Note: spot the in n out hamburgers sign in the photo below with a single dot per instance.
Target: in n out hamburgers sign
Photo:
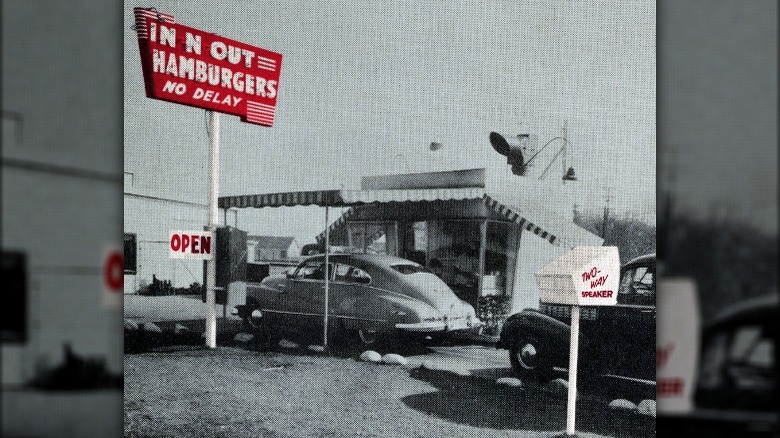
(185, 65)
(189, 66)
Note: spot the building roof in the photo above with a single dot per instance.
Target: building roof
(540, 208)
(272, 242)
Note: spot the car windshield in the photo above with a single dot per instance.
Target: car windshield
(407, 269)
(737, 368)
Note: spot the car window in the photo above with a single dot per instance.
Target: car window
(637, 286)
(351, 274)
(737, 368)
(409, 268)
(311, 271)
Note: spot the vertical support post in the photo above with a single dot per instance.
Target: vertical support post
(327, 280)
(565, 147)
(571, 399)
(481, 269)
(213, 221)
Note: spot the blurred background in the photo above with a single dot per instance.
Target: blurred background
(61, 351)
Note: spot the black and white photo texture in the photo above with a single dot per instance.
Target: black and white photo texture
(359, 258)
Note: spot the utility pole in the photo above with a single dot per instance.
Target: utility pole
(565, 146)
(605, 220)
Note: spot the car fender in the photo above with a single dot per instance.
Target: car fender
(546, 329)
(263, 293)
(383, 311)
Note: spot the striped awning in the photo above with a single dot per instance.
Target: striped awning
(499, 208)
(346, 198)
(521, 220)
(322, 198)
(559, 231)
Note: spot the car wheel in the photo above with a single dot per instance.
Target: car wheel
(529, 361)
(367, 336)
(255, 324)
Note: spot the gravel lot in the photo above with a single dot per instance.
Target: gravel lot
(233, 392)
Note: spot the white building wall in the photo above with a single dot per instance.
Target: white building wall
(151, 220)
(532, 254)
(61, 195)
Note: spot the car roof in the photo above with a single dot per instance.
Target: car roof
(758, 309)
(371, 259)
(643, 260)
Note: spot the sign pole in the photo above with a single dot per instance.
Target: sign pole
(213, 221)
(571, 399)
(327, 280)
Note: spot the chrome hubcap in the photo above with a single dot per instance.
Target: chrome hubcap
(255, 318)
(367, 336)
(527, 356)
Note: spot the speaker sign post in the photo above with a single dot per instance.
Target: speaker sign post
(192, 67)
(584, 276)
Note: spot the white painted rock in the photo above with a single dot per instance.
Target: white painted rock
(284, 343)
(509, 381)
(178, 329)
(151, 327)
(243, 337)
(394, 359)
(647, 407)
(428, 365)
(559, 385)
(371, 356)
(621, 404)
(130, 325)
(316, 348)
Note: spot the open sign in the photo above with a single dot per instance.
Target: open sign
(193, 245)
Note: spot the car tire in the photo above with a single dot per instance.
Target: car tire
(529, 360)
(366, 337)
(255, 324)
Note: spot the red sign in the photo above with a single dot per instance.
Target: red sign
(189, 66)
(113, 271)
(191, 245)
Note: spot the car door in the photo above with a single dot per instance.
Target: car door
(305, 298)
(352, 298)
(623, 336)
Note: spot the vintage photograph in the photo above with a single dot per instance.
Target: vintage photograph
(399, 219)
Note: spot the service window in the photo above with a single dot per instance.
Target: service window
(131, 249)
(13, 311)
(637, 287)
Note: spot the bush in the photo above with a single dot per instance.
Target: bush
(493, 311)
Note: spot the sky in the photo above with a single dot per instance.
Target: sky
(365, 90)
(718, 110)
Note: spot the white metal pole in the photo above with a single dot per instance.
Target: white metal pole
(327, 280)
(571, 399)
(211, 265)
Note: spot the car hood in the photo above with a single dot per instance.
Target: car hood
(435, 292)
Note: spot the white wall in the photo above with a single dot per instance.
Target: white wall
(151, 220)
(532, 254)
(62, 182)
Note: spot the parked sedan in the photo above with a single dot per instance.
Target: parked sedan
(369, 297)
(617, 339)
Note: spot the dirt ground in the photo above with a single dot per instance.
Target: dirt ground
(233, 392)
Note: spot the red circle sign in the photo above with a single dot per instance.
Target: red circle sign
(114, 271)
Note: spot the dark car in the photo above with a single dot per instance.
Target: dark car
(370, 297)
(736, 392)
(617, 340)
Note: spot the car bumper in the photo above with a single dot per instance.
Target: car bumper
(452, 324)
(422, 327)
(462, 323)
